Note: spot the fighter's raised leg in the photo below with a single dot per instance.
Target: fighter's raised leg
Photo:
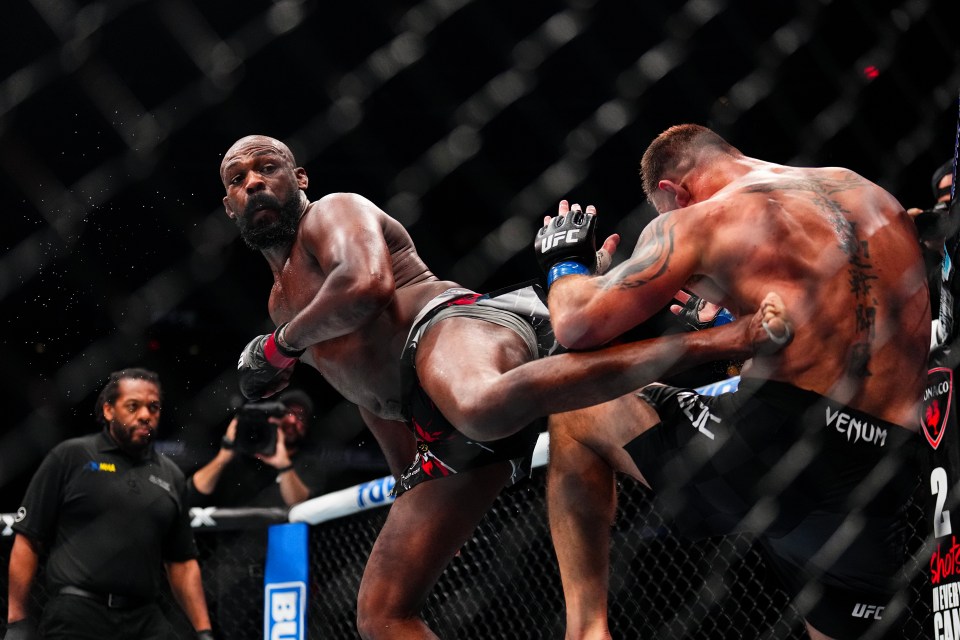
(498, 387)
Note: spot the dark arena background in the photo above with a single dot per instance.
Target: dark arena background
(467, 120)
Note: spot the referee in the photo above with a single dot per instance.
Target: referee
(110, 512)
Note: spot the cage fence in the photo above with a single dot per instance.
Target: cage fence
(117, 250)
(504, 583)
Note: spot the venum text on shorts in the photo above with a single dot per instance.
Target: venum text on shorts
(856, 429)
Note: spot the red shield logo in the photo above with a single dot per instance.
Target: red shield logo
(936, 404)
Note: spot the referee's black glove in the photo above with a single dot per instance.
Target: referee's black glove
(23, 629)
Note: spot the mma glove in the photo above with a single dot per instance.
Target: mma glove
(689, 314)
(264, 363)
(567, 245)
(23, 629)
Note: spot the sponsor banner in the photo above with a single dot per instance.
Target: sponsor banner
(369, 495)
(941, 473)
(285, 582)
(937, 405)
(285, 611)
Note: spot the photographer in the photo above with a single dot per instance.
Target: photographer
(936, 227)
(264, 459)
(926, 220)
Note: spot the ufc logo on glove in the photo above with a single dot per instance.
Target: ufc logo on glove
(567, 245)
(558, 238)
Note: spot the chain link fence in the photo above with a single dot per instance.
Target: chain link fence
(464, 119)
(504, 583)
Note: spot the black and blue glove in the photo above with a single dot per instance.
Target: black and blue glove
(689, 314)
(567, 245)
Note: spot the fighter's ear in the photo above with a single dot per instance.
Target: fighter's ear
(107, 411)
(677, 191)
(226, 207)
(301, 175)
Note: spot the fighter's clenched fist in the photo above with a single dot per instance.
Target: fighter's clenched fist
(265, 366)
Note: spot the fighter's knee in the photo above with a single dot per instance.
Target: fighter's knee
(367, 611)
(562, 426)
(477, 418)
(573, 428)
(366, 628)
(370, 623)
(373, 624)
(363, 629)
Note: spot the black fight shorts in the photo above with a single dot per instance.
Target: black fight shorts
(442, 450)
(823, 486)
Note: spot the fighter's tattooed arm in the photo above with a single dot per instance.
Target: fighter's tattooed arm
(650, 259)
(580, 308)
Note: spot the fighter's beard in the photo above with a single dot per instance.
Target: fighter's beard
(279, 232)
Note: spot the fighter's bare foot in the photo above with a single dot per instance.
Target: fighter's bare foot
(770, 328)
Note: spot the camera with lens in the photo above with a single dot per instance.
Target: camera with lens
(255, 433)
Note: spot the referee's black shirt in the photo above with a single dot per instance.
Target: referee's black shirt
(107, 518)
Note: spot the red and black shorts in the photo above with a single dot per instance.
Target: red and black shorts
(442, 450)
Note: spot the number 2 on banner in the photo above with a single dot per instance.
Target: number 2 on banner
(938, 487)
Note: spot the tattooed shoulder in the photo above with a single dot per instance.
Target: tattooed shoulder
(651, 257)
(815, 185)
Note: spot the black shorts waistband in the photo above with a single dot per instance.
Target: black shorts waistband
(111, 600)
(791, 398)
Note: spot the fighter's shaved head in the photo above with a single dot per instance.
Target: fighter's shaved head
(676, 151)
(256, 144)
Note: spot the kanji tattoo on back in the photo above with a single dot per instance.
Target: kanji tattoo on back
(860, 269)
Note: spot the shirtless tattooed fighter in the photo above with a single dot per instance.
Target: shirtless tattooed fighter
(449, 381)
(806, 453)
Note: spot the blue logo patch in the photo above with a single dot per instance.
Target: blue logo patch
(101, 466)
(283, 617)
(375, 492)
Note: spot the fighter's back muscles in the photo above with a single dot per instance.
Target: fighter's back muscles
(855, 266)
(817, 237)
